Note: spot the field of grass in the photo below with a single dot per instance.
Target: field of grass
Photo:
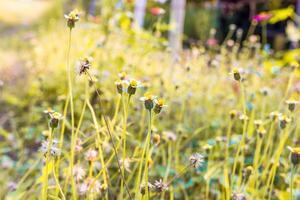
(102, 111)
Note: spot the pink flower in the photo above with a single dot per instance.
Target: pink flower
(212, 42)
(157, 11)
(262, 17)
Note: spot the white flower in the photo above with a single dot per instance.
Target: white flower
(196, 160)
(78, 172)
(91, 155)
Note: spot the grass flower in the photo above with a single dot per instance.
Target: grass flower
(196, 160)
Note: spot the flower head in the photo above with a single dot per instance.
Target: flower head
(196, 160)
(261, 17)
(54, 150)
(148, 100)
(78, 172)
(238, 196)
(84, 65)
(91, 155)
(236, 74)
(283, 121)
(291, 104)
(132, 86)
(54, 119)
(160, 186)
(295, 155)
(159, 104)
(72, 18)
(90, 184)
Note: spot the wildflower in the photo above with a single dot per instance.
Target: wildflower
(72, 18)
(258, 123)
(122, 75)
(159, 104)
(54, 119)
(157, 11)
(196, 160)
(126, 164)
(291, 104)
(236, 74)
(275, 115)
(49, 111)
(295, 155)
(243, 117)
(143, 188)
(283, 121)
(91, 155)
(148, 100)
(156, 139)
(84, 65)
(160, 186)
(132, 85)
(78, 146)
(169, 136)
(247, 172)
(119, 85)
(265, 91)
(78, 172)
(90, 184)
(233, 114)
(238, 196)
(232, 27)
(261, 131)
(54, 151)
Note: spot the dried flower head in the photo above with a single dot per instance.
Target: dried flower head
(91, 155)
(291, 104)
(78, 172)
(196, 160)
(72, 18)
(84, 65)
(148, 100)
(159, 104)
(295, 155)
(160, 186)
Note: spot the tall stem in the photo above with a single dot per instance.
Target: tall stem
(46, 168)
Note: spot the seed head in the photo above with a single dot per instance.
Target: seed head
(196, 160)
(84, 65)
(72, 18)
